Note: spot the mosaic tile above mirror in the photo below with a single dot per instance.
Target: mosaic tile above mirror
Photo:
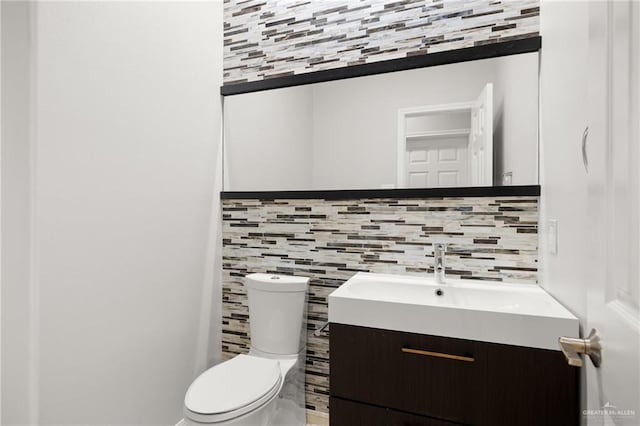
(276, 38)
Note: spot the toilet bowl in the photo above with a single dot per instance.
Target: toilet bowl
(266, 386)
(242, 391)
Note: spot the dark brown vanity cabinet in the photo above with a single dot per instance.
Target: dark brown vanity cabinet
(390, 378)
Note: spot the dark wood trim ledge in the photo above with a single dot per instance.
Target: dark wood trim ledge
(354, 194)
(484, 51)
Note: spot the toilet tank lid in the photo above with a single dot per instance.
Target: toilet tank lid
(277, 283)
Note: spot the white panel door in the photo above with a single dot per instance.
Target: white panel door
(481, 138)
(612, 159)
(437, 163)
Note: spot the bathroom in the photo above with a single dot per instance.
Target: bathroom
(344, 212)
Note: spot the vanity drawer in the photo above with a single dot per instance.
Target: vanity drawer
(453, 380)
(425, 375)
(349, 413)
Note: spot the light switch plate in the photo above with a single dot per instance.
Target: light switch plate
(552, 236)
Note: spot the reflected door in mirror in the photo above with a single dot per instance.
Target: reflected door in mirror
(446, 145)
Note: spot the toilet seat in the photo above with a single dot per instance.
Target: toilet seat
(232, 389)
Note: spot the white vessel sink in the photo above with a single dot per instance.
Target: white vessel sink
(512, 314)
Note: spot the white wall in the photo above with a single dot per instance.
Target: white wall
(564, 115)
(515, 119)
(268, 140)
(16, 322)
(126, 142)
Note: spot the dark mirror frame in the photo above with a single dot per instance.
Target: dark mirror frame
(485, 51)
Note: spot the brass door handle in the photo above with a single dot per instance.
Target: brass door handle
(438, 355)
(572, 348)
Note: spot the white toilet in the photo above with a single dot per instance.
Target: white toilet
(265, 387)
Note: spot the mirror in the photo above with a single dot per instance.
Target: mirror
(456, 125)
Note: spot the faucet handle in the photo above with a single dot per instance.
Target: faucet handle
(440, 246)
(438, 257)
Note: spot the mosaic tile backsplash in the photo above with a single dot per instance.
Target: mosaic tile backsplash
(489, 238)
(275, 38)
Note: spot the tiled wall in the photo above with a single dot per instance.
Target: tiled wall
(275, 38)
(490, 238)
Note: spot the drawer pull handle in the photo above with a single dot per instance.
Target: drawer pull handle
(438, 355)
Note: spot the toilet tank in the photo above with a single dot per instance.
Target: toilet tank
(277, 312)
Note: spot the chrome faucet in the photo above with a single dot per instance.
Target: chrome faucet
(438, 257)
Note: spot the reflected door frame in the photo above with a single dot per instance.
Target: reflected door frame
(404, 136)
(480, 150)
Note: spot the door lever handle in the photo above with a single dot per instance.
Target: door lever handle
(572, 348)
(585, 157)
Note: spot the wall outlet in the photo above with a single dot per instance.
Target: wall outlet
(552, 236)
